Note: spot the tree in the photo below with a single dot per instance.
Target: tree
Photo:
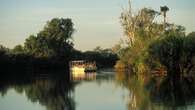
(98, 49)
(192, 34)
(54, 40)
(3, 50)
(175, 52)
(140, 29)
(167, 52)
(30, 44)
(18, 49)
(139, 25)
(164, 10)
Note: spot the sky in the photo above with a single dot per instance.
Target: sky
(96, 22)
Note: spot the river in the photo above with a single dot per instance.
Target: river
(104, 90)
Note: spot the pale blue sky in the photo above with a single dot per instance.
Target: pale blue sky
(96, 21)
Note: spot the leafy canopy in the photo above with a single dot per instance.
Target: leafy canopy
(54, 40)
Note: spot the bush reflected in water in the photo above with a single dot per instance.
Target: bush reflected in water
(157, 93)
(55, 93)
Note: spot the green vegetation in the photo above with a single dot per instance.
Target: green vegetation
(105, 58)
(157, 62)
(55, 40)
(153, 46)
(140, 30)
(175, 52)
(51, 48)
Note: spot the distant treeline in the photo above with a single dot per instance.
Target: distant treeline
(52, 48)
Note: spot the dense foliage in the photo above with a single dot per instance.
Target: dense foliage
(175, 52)
(52, 48)
(140, 29)
(154, 47)
(54, 40)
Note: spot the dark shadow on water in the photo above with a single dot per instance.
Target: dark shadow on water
(174, 94)
(51, 91)
(158, 93)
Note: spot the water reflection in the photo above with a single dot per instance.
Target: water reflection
(92, 91)
(174, 95)
(78, 76)
(157, 93)
(53, 93)
(105, 90)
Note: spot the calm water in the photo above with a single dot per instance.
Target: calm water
(104, 90)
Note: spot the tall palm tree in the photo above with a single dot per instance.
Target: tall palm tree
(164, 10)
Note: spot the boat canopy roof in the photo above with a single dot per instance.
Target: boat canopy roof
(80, 61)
